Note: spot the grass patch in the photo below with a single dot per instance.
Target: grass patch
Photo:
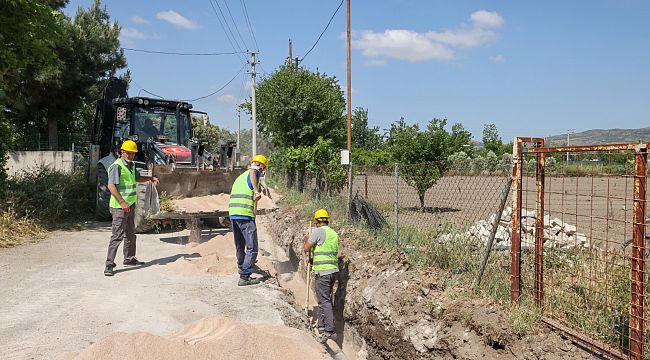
(15, 230)
(41, 199)
(524, 317)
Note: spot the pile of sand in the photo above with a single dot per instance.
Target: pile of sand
(216, 257)
(209, 338)
(211, 203)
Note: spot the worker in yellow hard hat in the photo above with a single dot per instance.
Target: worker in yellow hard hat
(122, 183)
(244, 196)
(323, 243)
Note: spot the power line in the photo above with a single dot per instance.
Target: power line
(221, 88)
(234, 23)
(248, 22)
(145, 90)
(225, 22)
(321, 34)
(180, 53)
(225, 32)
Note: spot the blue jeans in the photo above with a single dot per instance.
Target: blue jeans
(246, 247)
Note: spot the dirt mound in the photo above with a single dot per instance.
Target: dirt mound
(210, 338)
(215, 256)
(211, 203)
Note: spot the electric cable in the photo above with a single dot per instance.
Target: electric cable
(248, 22)
(180, 53)
(225, 32)
(234, 23)
(221, 88)
(321, 34)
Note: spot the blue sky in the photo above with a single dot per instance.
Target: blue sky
(533, 68)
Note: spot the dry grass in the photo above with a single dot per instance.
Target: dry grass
(16, 231)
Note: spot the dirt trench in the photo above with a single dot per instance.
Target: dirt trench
(390, 311)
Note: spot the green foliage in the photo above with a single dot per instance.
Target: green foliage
(492, 141)
(49, 196)
(210, 133)
(364, 137)
(296, 106)
(378, 156)
(321, 159)
(408, 145)
(66, 65)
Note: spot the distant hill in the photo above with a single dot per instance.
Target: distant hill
(600, 137)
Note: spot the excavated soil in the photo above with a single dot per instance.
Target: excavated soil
(210, 203)
(392, 311)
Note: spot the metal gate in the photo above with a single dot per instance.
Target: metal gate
(579, 241)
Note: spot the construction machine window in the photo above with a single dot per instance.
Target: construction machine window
(152, 122)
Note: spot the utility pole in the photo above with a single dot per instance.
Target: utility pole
(349, 112)
(570, 131)
(238, 149)
(253, 62)
(290, 59)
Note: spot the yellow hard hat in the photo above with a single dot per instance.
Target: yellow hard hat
(130, 146)
(321, 213)
(260, 159)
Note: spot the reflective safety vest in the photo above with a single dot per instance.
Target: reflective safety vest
(241, 197)
(326, 254)
(127, 185)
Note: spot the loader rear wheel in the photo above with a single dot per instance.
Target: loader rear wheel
(102, 195)
(142, 224)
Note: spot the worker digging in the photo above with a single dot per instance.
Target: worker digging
(322, 248)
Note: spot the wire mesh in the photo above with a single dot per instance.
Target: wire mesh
(585, 272)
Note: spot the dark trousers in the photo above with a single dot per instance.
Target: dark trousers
(123, 228)
(323, 288)
(246, 246)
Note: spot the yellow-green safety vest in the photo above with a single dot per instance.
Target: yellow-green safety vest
(241, 197)
(127, 185)
(326, 254)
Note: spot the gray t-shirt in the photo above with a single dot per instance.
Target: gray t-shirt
(114, 174)
(317, 237)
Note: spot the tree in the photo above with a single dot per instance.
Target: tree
(493, 142)
(422, 154)
(296, 106)
(83, 51)
(364, 137)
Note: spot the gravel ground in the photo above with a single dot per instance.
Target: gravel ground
(57, 300)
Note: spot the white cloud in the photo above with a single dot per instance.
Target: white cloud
(376, 62)
(139, 20)
(498, 58)
(409, 45)
(128, 36)
(400, 44)
(177, 20)
(484, 18)
(228, 99)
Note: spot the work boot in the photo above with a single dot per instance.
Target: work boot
(245, 281)
(133, 262)
(327, 335)
(109, 271)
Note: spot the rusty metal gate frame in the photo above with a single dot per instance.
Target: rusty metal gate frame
(636, 324)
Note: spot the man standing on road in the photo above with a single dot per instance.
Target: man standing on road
(243, 200)
(122, 183)
(323, 244)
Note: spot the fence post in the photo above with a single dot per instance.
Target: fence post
(638, 252)
(539, 228)
(495, 226)
(396, 205)
(515, 248)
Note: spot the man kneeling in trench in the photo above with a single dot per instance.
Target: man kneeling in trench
(323, 244)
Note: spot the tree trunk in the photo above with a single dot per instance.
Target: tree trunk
(421, 197)
(52, 132)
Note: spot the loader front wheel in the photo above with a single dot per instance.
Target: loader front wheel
(102, 195)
